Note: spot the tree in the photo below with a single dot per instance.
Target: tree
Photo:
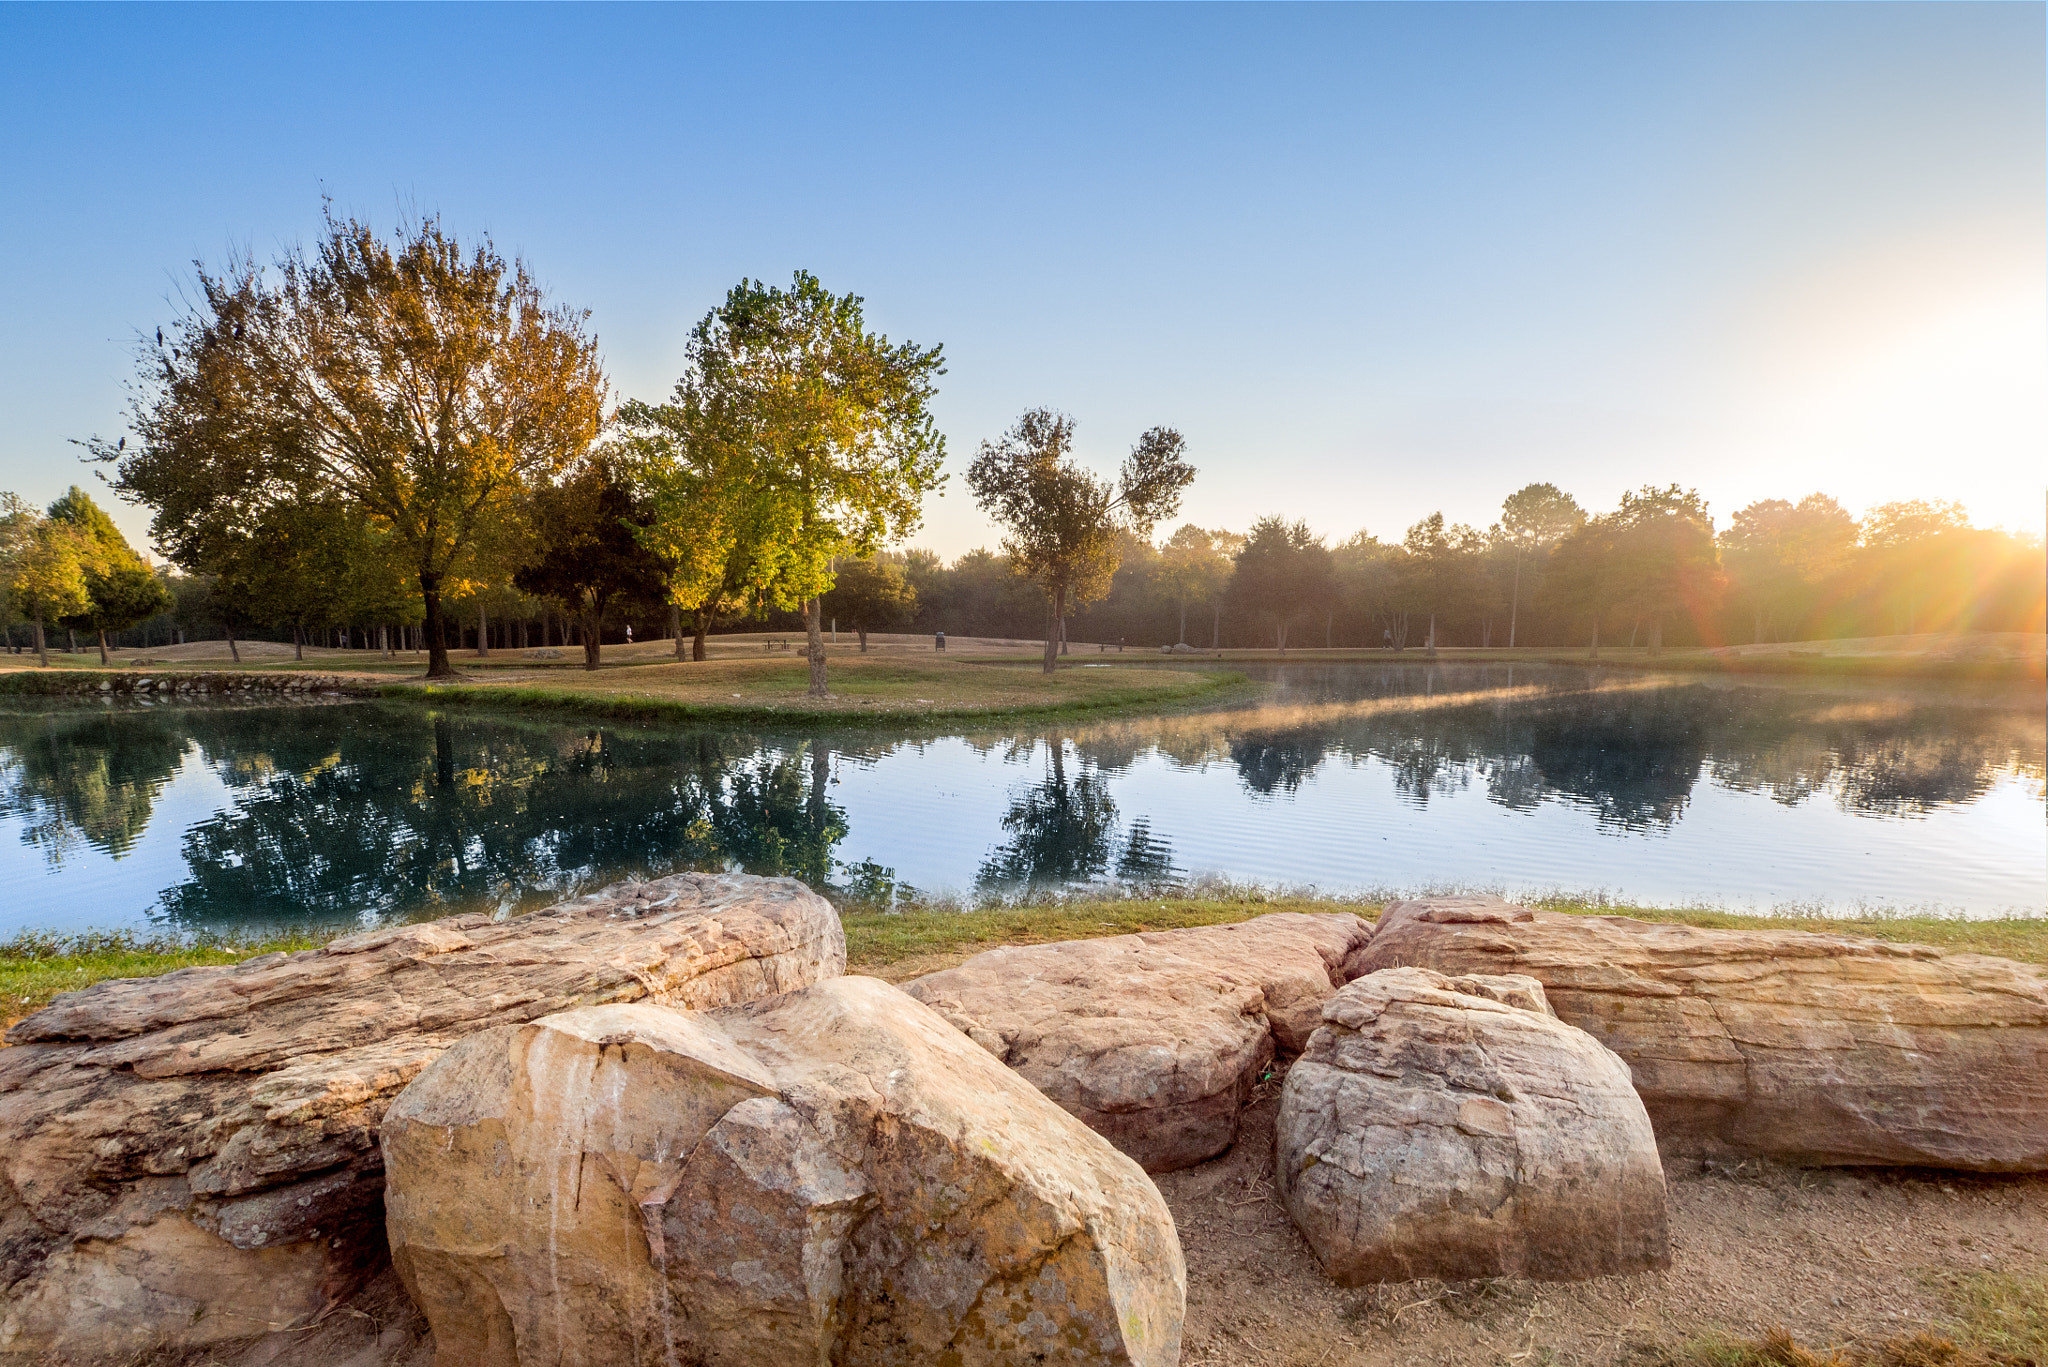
(1370, 575)
(871, 595)
(120, 588)
(46, 574)
(591, 554)
(1441, 572)
(1582, 582)
(1283, 572)
(1778, 554)
(1533, 519)
(826, 425)
(1194, 567)
(417, 383)
(1663, 552)
(1060, 522)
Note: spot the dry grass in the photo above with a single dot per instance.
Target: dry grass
(1990, 1319)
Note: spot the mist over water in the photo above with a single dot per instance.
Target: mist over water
(1404, 776)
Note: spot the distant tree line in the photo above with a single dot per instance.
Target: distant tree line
(405, 445)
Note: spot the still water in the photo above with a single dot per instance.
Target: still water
(1744, 794)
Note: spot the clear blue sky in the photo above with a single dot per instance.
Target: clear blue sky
(1373, 261)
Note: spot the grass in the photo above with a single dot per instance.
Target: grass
(1989, 1319)
(876, 691)
(36, 966)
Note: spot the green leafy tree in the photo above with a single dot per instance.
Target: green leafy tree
(1779, 554)
(120, 588)
(421, 384)
(1583, 583)
(1665, 556)
(826, 427)
(46, 575)
(1533, 520)
(1060, 522)
(871, 595)
(1441, 572)
(1193, 568)
(591, 554)
(1370, 576)
(1284, 573)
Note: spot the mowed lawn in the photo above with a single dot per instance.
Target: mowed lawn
(877, 685)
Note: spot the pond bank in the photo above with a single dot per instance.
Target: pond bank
(897, 945)
(882, 691)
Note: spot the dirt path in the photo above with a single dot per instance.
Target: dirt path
(1830, 1255)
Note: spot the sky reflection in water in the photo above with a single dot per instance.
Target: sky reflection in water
(1401, 776)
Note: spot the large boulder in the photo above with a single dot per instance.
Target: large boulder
(1153, 1040)
(1454, 1128)
(834, 1175)
(193, 1157)
(1792, 1045)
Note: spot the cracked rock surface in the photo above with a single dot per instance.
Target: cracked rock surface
(1154, 1040)
(834, 1175)
(1788, 1045)
(1453, 1128)
(193, 1158)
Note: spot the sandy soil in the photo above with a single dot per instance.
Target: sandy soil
(1831, 1255)
(1834, 1256)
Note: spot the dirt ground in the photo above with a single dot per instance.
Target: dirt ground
(1834, 1256)
(1831, 1255)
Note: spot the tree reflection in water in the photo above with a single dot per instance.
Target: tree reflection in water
(363, 810)
(1063, 831)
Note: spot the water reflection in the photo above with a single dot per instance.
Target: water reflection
(326, 812)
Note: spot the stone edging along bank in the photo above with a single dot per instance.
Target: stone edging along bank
(76, 683)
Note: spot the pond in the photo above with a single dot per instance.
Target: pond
(1774, 794)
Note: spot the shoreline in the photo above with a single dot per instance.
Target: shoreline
(37, 966)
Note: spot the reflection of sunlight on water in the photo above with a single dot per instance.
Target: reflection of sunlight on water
(1653, 787)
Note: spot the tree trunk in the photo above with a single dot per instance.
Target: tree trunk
(701, 621)
(1182, 638)
(42, 645)
(1280, 636)
(1216, 630)
(1053, 628)
(1063, 622)
(593, 635)
(1432, 636)
(1329, 618)
(233, 649)
(483, 633)
(863, 639)
(1596, 639)
(103, 645)
(1514, 602)
(436, 627)
(298, 642)
(814, 647)
(675, 627)
(1656, 636)
(71, 639)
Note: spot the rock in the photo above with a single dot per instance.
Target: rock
(194, 1157)
(1453, 1128)
(834, 1175)
(1297, 958)
(1153, 1040)
(1790, 1045)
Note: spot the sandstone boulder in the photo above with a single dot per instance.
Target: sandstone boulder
(1791, 1045)
(1453, 1128)
(1153, 1040)
(834, 1175)
(193, 1157)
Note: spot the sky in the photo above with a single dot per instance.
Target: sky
(1373, 261)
